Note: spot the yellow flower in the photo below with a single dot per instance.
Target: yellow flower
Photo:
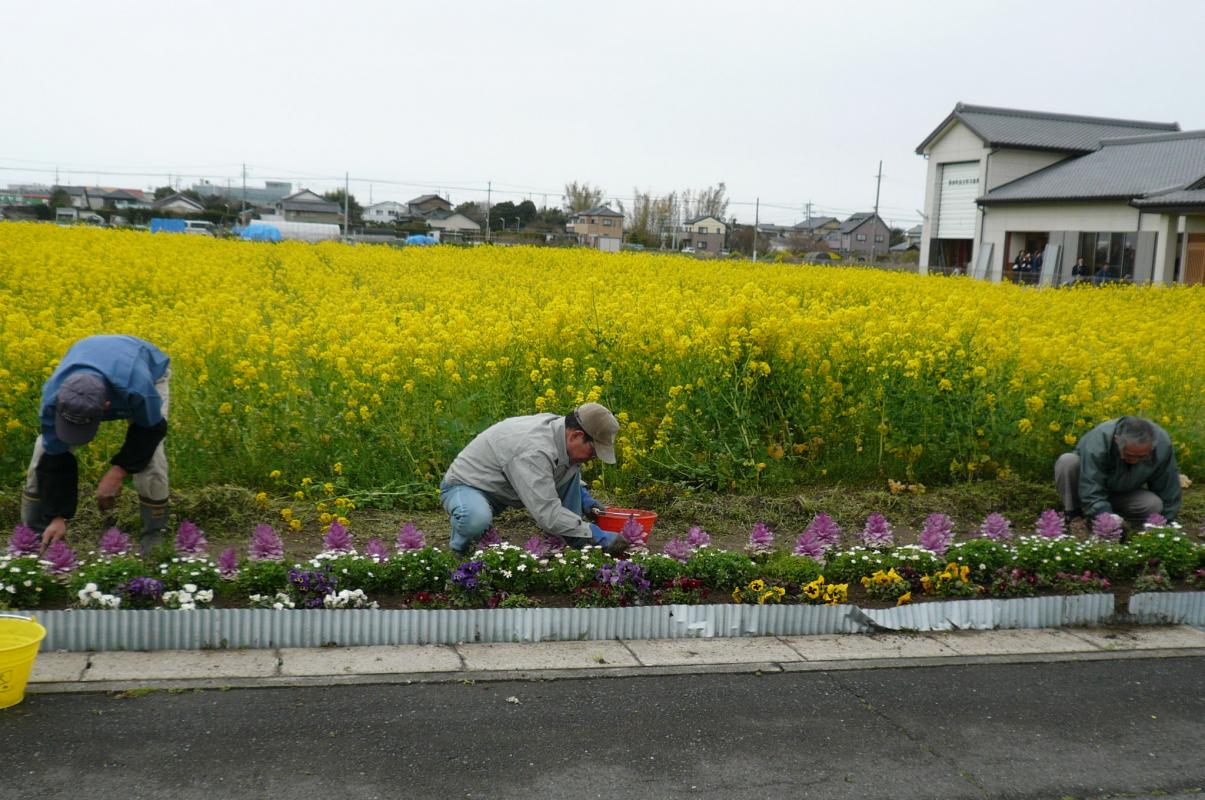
(906, 597)
(274, 474)
(295, 524)
(286, 513)
(757, 585)
(261, 497)
(736, 595)
(338, 468)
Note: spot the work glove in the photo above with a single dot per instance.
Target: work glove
(590, 506)
(613, 544)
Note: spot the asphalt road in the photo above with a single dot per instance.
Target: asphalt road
(1073, 729)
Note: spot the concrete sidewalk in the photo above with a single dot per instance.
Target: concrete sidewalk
(188, 669)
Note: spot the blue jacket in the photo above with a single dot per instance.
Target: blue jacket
(130, 367)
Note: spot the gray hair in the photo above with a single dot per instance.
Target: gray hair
(1133, 430)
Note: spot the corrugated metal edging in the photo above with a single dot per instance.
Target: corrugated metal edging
(1175, 608)
(1024, 612)
(264, 628)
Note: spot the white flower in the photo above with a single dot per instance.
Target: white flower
(191, 588)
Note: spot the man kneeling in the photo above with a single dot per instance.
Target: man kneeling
(532, 462)
(1123, 466)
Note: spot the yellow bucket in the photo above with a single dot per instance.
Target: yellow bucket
(19, 640)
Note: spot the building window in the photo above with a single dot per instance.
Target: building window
(861, 237)
(593, 220)
(1108, 256)
(702, 229)
(702, 245)
(607, 223)
(879, 239)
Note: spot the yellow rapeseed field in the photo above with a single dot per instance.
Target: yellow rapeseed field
(371, 367)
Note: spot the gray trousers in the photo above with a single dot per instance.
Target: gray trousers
(151, 482)
(1133, 506)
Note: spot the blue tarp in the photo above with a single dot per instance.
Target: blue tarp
(168, 225)
(261, 232)
(419, 238)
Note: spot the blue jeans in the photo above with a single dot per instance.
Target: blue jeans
(471, 511)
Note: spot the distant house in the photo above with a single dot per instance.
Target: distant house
(124, 199)
(593, 224)
(452, 222)
(308, 206)
(424, 205)
(913, 235)
(821, 229)
(177, 204)
(387, 211)
(864, 233)
(704, 233)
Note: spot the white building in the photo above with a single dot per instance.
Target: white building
(386, 211)
(1128, 196)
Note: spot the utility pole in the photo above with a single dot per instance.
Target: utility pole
(875, 221)
(346, 204)
(756, 221)
(243, 210)
(809, 211)
(489, 186)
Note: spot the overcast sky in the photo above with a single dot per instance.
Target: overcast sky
(789, 102)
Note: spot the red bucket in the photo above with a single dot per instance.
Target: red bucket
(613, 519)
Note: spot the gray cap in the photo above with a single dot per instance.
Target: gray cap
(78, 407)
(600, 424)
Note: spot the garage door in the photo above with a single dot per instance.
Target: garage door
(956, 204)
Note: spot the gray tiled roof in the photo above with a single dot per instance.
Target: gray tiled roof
(599, 211)
(855, 221)
(702, 217)
(1122, 168)
(1037, 130)
(812, 223)
(1184, 197)
(323, 207)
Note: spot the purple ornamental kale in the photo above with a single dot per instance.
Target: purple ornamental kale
(1156, 520)
(877, 532)
(809, 544)
(634, 532)
(337, 539)
(678, 549)
(190, 540)
(490, 538)
(996, 527)
(411, 538)
(24, 542)
(544, 546)
(266, 545)
(761, 539)
(825, 530)
(696, 537)
(376, 549)
(1107, 527)
(115, 543)
(228, 564)
(937, 534)
(1050, 524)
(61, 558)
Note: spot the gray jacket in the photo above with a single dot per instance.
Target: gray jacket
(522, 462)
(1102, 472)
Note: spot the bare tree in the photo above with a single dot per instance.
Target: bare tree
(579, 197)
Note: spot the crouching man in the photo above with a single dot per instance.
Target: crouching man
(1123, 466)
(101, 378)
(533, 462)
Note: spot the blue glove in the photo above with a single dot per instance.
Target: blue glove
(600, 537)
(590, 505)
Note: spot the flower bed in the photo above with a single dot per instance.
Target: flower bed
(543, 573)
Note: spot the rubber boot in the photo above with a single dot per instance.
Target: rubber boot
(154, 523)
(32, 515)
